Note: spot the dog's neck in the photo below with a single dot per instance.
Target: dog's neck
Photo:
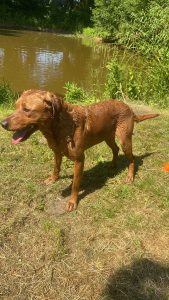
(61, 126)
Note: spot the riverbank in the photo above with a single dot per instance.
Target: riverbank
(35, 28)
(52, 15)
(109, 72)
(139, 26)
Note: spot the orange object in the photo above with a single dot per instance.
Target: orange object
(166, 167)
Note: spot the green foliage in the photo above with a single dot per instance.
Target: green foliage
(149, 85)
(55, 14)
(106, 17)
(114, 79)
(148, 31)
(88, 31)
(7, 94)
(123, 81)
(141, 25)
(54, 232)
(75, 94)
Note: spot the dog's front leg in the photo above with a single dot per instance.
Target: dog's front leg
(57, 163)
(78, 171)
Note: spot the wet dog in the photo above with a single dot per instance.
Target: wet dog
(71, 129)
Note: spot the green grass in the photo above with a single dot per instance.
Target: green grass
(114, 246)
(7, 94)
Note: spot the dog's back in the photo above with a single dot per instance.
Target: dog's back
(105, 116)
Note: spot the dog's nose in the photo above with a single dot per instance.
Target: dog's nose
(4, 124)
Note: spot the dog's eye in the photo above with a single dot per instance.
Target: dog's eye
(26, 109)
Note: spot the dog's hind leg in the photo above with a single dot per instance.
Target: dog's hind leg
(127, 149)
(124, 133)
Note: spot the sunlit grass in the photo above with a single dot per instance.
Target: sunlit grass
(45, 251)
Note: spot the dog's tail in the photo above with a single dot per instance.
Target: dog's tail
(140, 118)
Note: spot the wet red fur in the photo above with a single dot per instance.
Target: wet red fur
(71, 129)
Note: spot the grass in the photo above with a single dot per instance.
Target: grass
(114, 246)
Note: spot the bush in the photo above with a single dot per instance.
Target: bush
(88, 31)
(149, 85)
(140, 24)
(7, 94)
(75, 94)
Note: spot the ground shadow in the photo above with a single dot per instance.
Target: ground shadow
(96, 177)
(145, 279)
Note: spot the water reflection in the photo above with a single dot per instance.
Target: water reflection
(24, 56)
(2, 52)
(47, 61)
(47, 57)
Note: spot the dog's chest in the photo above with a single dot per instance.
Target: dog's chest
(64, 144)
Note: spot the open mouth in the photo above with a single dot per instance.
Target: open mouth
(23, 134)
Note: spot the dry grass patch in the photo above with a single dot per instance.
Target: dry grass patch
(115, 246)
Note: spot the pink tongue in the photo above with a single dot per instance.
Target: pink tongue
(16, 141)
(18, 137)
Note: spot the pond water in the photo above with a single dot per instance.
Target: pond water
(44, 60)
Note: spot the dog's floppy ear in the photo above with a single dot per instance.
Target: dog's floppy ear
(53, 102)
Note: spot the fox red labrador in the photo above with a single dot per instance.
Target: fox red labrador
(71, 129)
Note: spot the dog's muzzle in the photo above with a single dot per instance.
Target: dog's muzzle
(5, 124)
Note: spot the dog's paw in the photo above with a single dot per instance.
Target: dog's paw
(129, 179)
(50, 180)
(71, 205)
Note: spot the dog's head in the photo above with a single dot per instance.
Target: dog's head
(34, 109)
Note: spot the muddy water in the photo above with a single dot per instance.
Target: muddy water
(48, 60)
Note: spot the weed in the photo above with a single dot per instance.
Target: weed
(149, 86)
(7, 94)
(88, 31)
(75, 94)
(52, 228)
